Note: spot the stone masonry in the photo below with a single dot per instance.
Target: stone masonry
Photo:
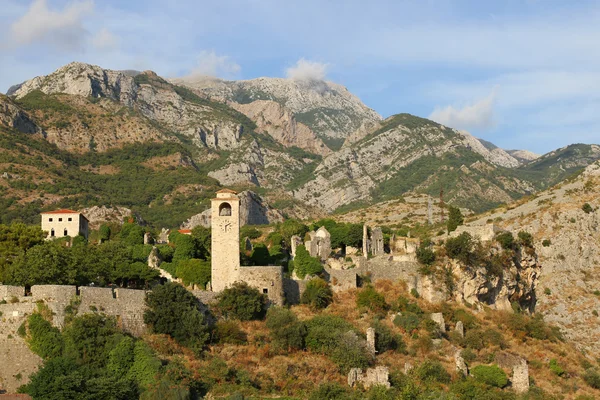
(225, 241)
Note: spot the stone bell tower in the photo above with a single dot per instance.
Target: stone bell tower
(225, 240)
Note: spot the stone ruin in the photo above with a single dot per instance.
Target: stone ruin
(295, 242)
(371, 377)
(404, 248)
(319, 244)
(485, 232)
(519, 367)
(377, 242)
(371, 341)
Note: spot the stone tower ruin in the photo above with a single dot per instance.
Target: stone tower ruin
(225, 241)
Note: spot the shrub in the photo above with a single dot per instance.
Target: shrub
(304, 264)
(249, 231)
(414, 293)
(592, 378)
(174, 311)
(351, 352)
(286, 331)
(587, 208)
(490, 375)
(242, 302)
(425, 255)
(432, 371)
(468, 355)
(525, 239)
(555, 368)
(408, 321)
(194, 271)
(324, 332)
(455, 218)
(474, 339)
(44, 339)
(460, 247)
(547, 291)
(330, 391)
(317, 294)
(403, 304)
(385, 339)
(506, 240)
(371, 299)
(546, 242)
(229, 332)
(494, 338)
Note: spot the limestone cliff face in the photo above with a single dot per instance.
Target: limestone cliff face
(14, 117)
(278, 122)
(328, 109)
(177, 110)
(523, 156)
(566, 239)
(516, 284)
(493, 154)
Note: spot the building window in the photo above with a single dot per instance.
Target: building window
(66, 234)
(60, 220)
(49, 219)
(265, 291)
(52, 233)
(225, 210)
(70, 219)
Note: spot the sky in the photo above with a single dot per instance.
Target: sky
(523, 74)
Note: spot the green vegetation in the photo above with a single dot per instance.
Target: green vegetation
(455, 218)
(305, 264)
(174, 311)
(242, 302)
(370, 299)
(491, 375)
(587, 208)
(317, 294)
(287, 333)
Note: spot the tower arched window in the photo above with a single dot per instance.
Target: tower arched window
(225, 210)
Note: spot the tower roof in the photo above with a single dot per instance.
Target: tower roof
(228, 191)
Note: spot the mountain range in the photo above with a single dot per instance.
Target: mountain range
(75, 136)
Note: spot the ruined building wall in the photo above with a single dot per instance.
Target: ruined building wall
(268, 280)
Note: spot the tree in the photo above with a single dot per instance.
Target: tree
(194, 271)
(46, 263)
(260, 255)
(490, 375)
(425, 255)
(304, 264)
(587, 208)
(104, 233)
(455, 218)
(240, 301)
(461, 247)
(176, 312)
(317, 294)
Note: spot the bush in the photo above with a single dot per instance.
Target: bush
(546, 242)
(425, 255)
(242, 302)
(432, 371)
(386, 340)
(555, 368)
(351, 352)
(506, 240)
(229, 332)
(403, 304)
(408, 321)
(455, 218)
(587, 208)
(304, 264)
(460, 247)
(174, 311)
(592, 378)
(371, 299)
(286, 331)
(474, 339)
(525, 239)
(317, 294)
(490, 375)
(468, 355)
(249, 231)
(330, 391)
(494, 338)
(324, 332)
(44, 339)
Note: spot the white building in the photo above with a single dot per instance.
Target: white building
(61, 223)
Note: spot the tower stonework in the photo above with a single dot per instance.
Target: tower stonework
(225, 240)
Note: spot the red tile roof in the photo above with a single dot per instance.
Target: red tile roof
(63, 211)
(185, 231)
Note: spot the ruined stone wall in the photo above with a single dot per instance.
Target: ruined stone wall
(293, 289)
(268, 280)
(343, 279)
(8, 292)
(485, 232)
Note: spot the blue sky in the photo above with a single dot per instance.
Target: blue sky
(520, 73)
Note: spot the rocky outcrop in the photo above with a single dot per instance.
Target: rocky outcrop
(278, 122)
(491, 153)
(516, 283)
(328, 109)
(101, 215)
(14, 117)
(523, 156)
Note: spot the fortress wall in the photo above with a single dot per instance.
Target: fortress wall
(343, 279)
(7, 292)
(268, 280)
(205, 296)
(53, 293)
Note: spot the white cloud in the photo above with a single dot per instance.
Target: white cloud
(477, 115)
(105, 40)
(305, 70)
(62, 29)
(211, 64)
